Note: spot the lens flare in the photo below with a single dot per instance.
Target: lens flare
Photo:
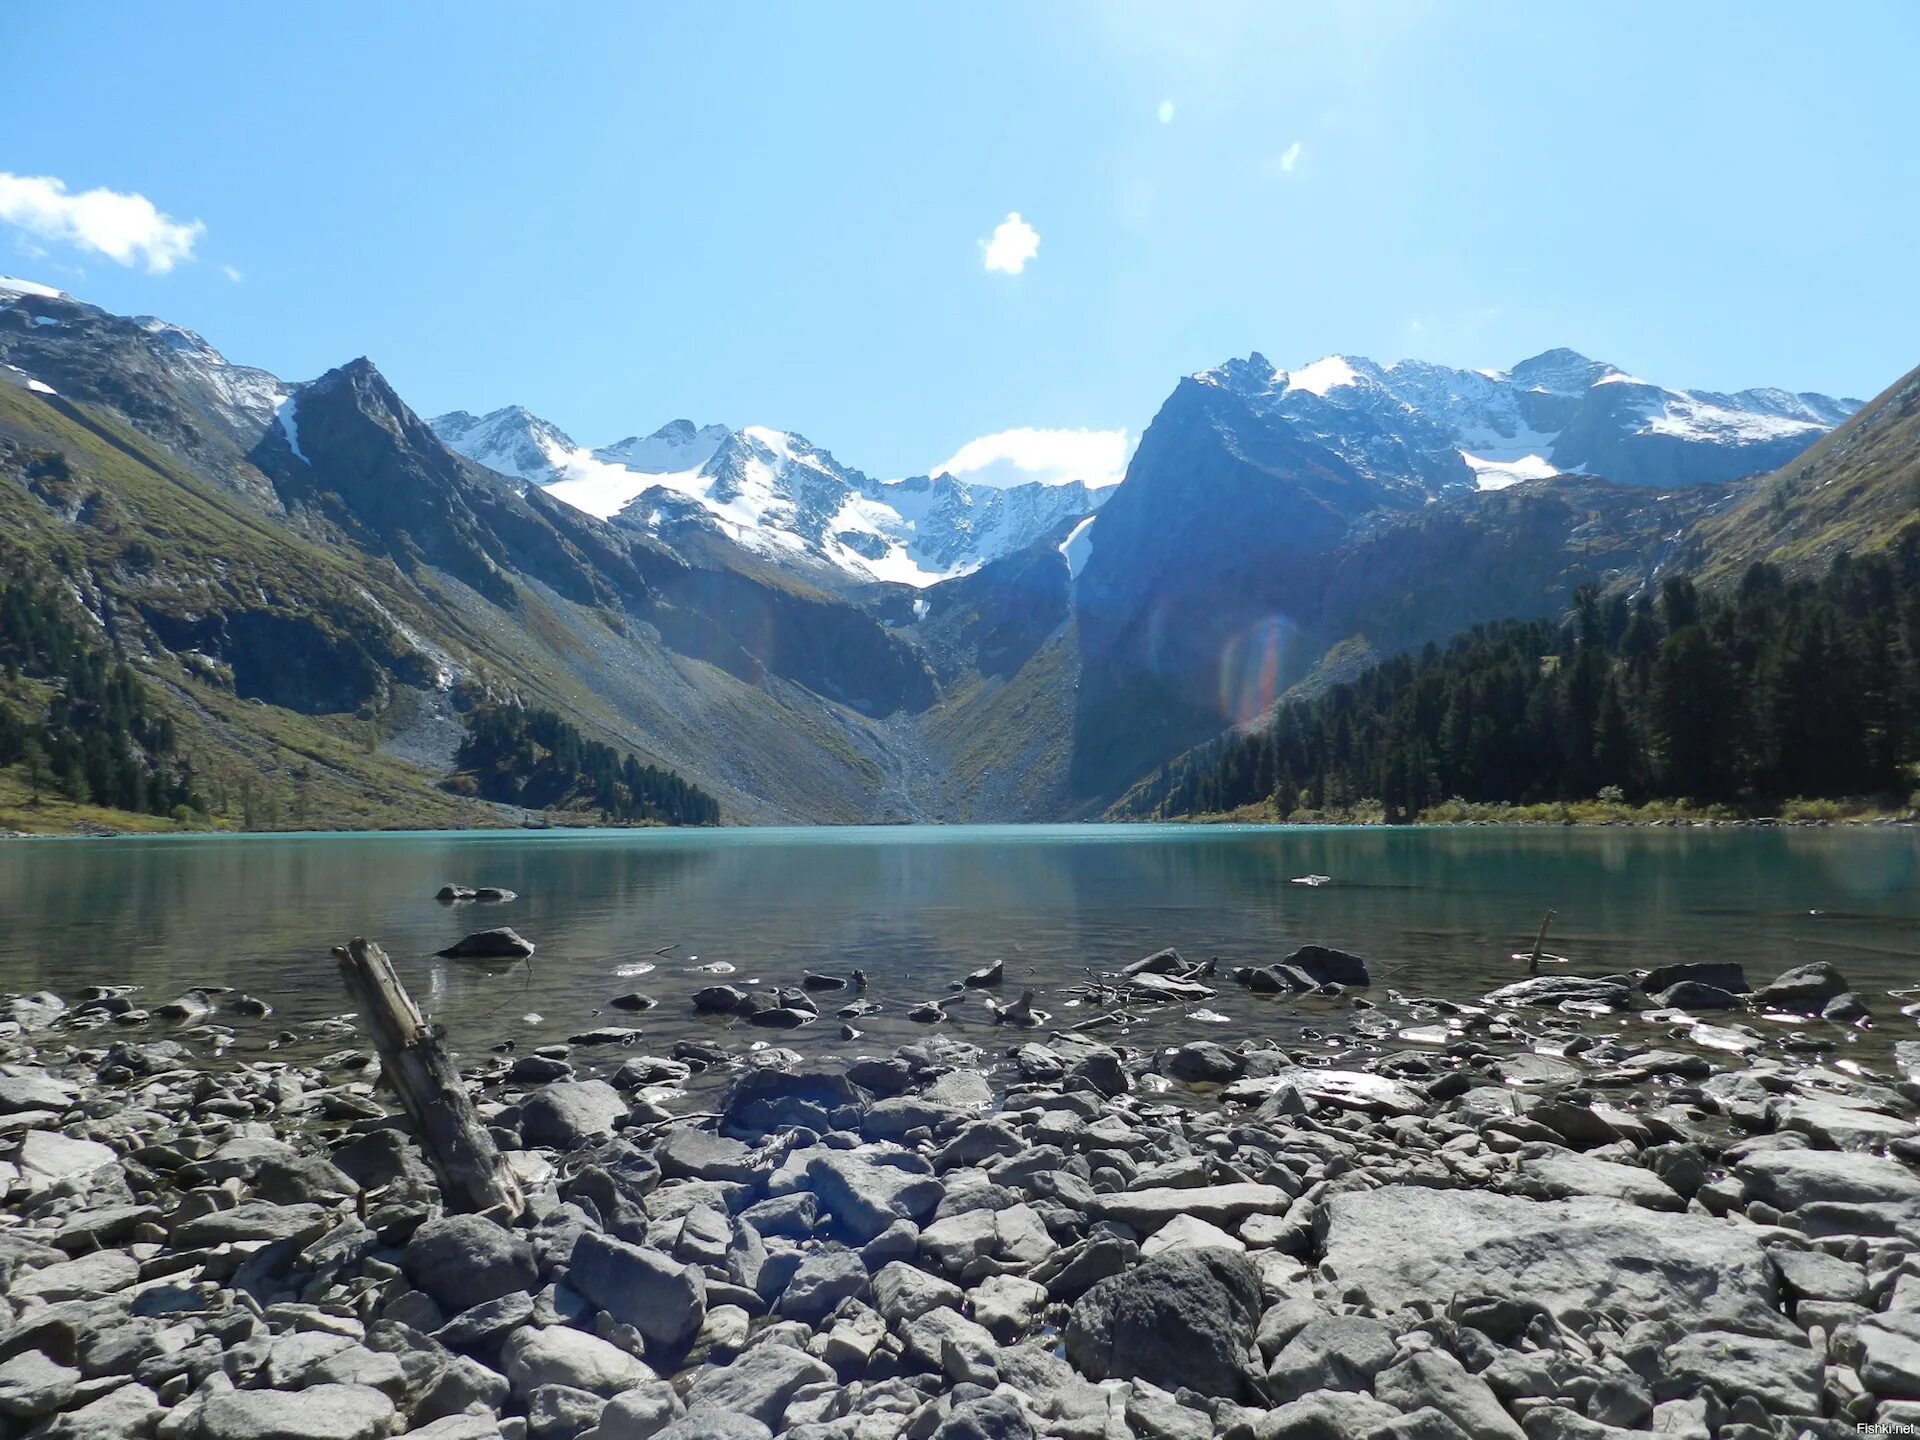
(1253, 667)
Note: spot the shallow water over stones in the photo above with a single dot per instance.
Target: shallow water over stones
(623, 918)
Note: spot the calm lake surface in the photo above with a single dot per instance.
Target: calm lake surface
(1434, 911)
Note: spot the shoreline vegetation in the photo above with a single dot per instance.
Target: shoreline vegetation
(58, 818)
(1591, 813)
(1572, 1208)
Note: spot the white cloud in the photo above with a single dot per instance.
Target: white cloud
(1166, 112)
(1052, 457)
(1013, 244)
(232, 274)
(125, 228)
(1289, 158)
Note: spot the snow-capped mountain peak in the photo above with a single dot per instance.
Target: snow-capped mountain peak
(512, 440)
(775, 493)
(677, 445)
(1426, 427)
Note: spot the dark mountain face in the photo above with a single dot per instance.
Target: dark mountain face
(166, 382)
(1269, 514)
(1208, 532)
(349, 448)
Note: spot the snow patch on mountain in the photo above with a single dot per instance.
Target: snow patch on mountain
(1321, 376)
(289, 422)
(15, 287)
(1078, 546)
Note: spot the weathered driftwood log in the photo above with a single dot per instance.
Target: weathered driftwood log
(473, 1177)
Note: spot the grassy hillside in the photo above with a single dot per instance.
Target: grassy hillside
(1856, 492)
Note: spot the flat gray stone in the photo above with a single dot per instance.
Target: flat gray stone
(1223, 1205)
(321, 1412)
(1788, 1179)
(1401, 1244)
(101, 1273)
(1561, 1176)
(250, 1220)
(1784, 1377)
(47, 1155)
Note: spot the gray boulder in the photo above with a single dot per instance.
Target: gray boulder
(1326, 966)
(1784, 1376)
(1805, 989)
(1206, 1062)
(1333, 1352)
(685, 1153)
(1561, 1175)
(865, 1199)
(706, 1423)
(1724, 975)
(1186, 1317)
(465, 1260)
(990, 1417)
(561, 1355)
(499, 944)
(1434, 1378)
(661, 1298)
(1330, 1415)
(640, 1413)
(1562, 989)
(905, 1292)
(1693, 995)
(570, 1114)
(1789, 1179)
(821, 1283)
(758, 1385)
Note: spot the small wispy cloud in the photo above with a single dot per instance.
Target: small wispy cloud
(124, 228)
(232, 273)
(1052, 457)
(1289, 158)
(1012, 244)
(1166, 112)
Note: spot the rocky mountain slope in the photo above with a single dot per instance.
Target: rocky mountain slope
(315, 548)
(774, 493)
(1270, 514)
(318, 583)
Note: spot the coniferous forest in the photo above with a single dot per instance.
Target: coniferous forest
(1771, 689)
(536, 759)
(81, 725)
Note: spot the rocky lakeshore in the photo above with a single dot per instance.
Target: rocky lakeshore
(1573, 1209)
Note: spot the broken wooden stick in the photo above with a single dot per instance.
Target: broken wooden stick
(1533, 961)
(473, 1177)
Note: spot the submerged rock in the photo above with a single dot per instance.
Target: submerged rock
(1806, 989)
(502, 943)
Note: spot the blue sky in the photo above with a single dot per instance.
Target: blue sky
(621, 214)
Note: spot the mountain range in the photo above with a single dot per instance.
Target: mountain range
(775, 493)
(319, 584)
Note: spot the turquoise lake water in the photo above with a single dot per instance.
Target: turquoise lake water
(1434, 911)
